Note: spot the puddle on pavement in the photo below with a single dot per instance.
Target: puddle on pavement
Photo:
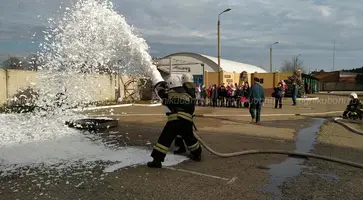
(292, 166)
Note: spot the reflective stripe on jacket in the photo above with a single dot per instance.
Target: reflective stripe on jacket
(179, 115)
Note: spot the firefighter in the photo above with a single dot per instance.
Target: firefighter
(180, 121)
(353, 109)
(188, 84)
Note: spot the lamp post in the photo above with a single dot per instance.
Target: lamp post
(271, 55)
(219, 44)
(297, 57)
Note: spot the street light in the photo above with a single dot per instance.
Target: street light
(271, 55)
(219, 44)
(297, 57)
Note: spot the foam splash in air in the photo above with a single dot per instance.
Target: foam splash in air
(89, 39)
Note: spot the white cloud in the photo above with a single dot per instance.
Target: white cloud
(300, 25)
(326, 11)
(349, 21)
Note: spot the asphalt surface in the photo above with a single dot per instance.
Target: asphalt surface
(325, 180)
(214, 177)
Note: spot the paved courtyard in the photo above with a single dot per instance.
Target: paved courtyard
(225, 130)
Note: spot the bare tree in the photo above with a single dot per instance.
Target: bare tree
(29, 63)
(33, 62)
(13, 63)
(291, 66)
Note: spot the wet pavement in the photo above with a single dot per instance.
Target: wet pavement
(287, 178)
(327, 180)
(190, 180)
(291, 167)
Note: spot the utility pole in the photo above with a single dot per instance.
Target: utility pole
(271, 59)
(334, 55)
(296, 59)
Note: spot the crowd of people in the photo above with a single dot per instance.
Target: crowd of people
(229, 95)
(233, 95)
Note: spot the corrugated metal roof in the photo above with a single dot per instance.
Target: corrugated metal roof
(232, 66)
(227, 65)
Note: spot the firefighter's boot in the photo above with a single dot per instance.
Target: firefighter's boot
(154, 164)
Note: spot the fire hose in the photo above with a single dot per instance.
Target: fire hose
(340, 122)
(282, 152)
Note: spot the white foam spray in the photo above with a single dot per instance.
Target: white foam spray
(90, 37)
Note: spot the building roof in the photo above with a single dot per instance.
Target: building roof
(348, 74)
(226, 65)
(309, 76)
(322, 75)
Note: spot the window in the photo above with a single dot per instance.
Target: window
(186, 69)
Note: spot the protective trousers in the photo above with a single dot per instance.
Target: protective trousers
(179, 142)
(356, 112)
(172, 128)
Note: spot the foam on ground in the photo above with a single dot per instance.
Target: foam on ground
(24, 128)
(27, 141)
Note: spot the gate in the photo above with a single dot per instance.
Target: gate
(198, 79)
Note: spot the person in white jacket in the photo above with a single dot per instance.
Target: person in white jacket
(198, 94)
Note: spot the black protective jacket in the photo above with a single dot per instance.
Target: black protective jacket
(191, 90)
(354, 105)
(180, 104)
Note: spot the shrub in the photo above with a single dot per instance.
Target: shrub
(21, 102)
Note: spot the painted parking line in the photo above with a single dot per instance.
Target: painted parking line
(102, 107)
(147, 105)
(222, 115)
(117, 106)
(127, 115)
(268, 115)
(229, 180)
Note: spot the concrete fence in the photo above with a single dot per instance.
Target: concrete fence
(342, 86)
(104, 87)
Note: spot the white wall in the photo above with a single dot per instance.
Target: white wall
(102, 86)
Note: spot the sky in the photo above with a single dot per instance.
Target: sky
(306, 27)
